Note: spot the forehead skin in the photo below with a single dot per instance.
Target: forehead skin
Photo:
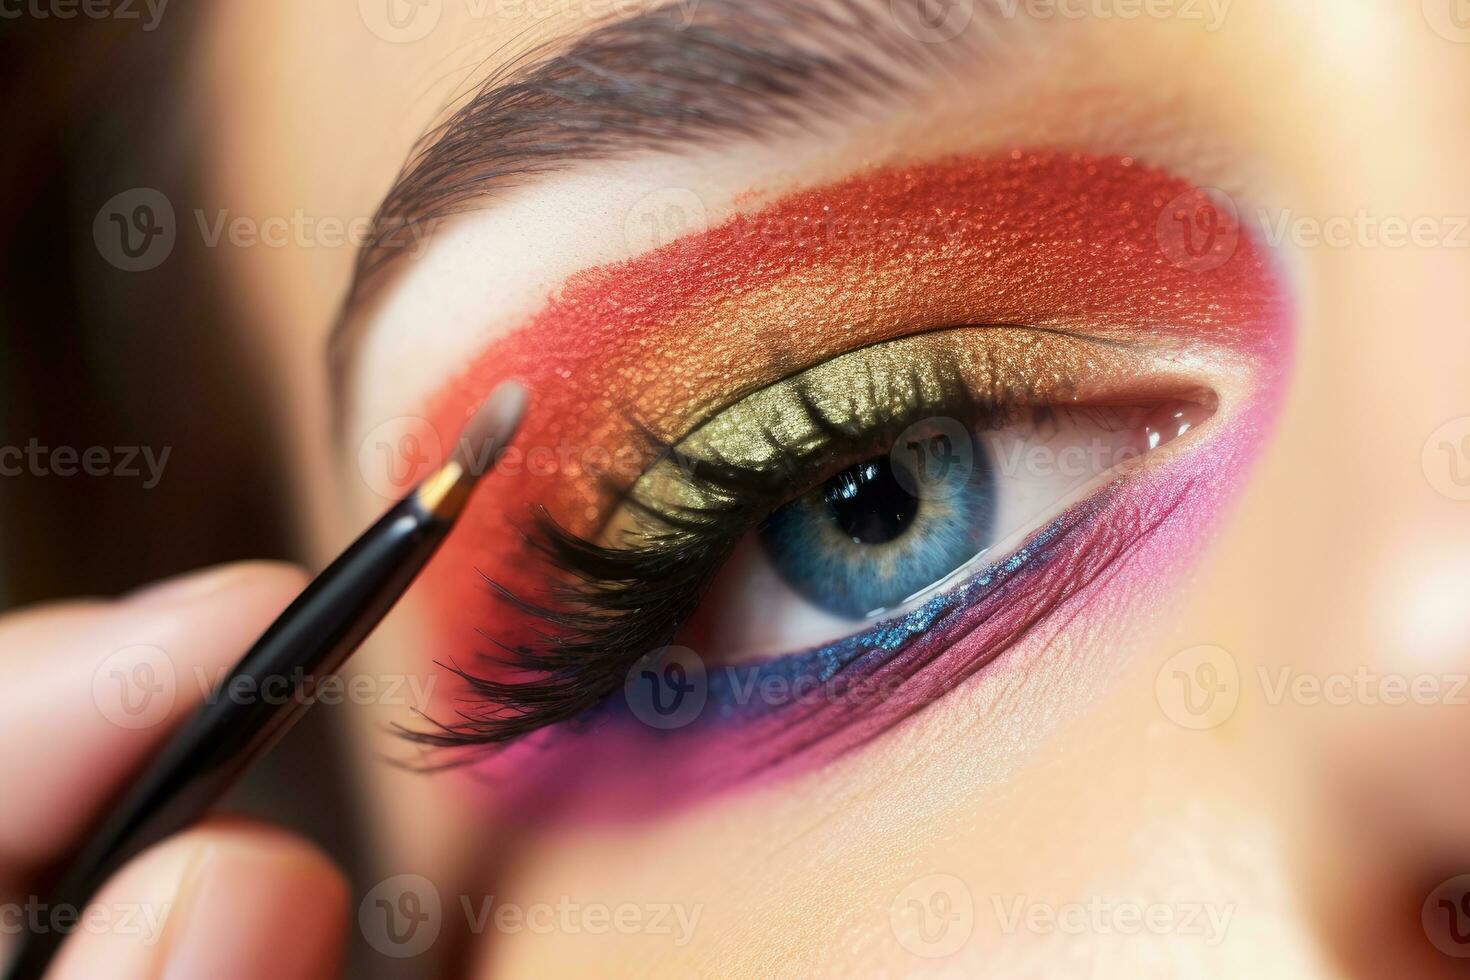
(1315, 111)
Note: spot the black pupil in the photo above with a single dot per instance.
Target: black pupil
(869, 503)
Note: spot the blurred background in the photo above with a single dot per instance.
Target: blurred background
(92, 355)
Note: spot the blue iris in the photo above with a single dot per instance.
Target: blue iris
(862, 542)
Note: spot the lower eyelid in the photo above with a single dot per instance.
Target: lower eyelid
(801, 710)
(656, 746)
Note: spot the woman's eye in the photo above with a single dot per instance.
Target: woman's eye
(821, 525)
(886, 531)
(865, 541)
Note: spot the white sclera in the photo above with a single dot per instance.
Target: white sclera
(1038, 467)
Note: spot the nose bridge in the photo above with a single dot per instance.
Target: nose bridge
(1364, 498)
(1343, 587)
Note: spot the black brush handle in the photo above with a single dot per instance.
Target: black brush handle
(306, 643)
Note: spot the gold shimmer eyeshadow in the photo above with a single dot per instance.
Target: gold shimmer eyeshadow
(793, 426)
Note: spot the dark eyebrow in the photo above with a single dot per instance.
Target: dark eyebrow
(689, 72)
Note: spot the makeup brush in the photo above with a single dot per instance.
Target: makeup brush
(309, 641)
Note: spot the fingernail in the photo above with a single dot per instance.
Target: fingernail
(256, 911)
(193, 586)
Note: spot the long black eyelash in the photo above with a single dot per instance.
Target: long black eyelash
(617, 603)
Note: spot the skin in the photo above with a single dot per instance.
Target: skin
(1320, 829)
(226, 891)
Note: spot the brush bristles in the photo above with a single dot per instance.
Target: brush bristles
(490, 428)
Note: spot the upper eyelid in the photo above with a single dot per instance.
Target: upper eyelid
(672, 444)
(975, 376)
(1120, 343)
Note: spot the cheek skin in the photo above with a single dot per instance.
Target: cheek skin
(1056, 240)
